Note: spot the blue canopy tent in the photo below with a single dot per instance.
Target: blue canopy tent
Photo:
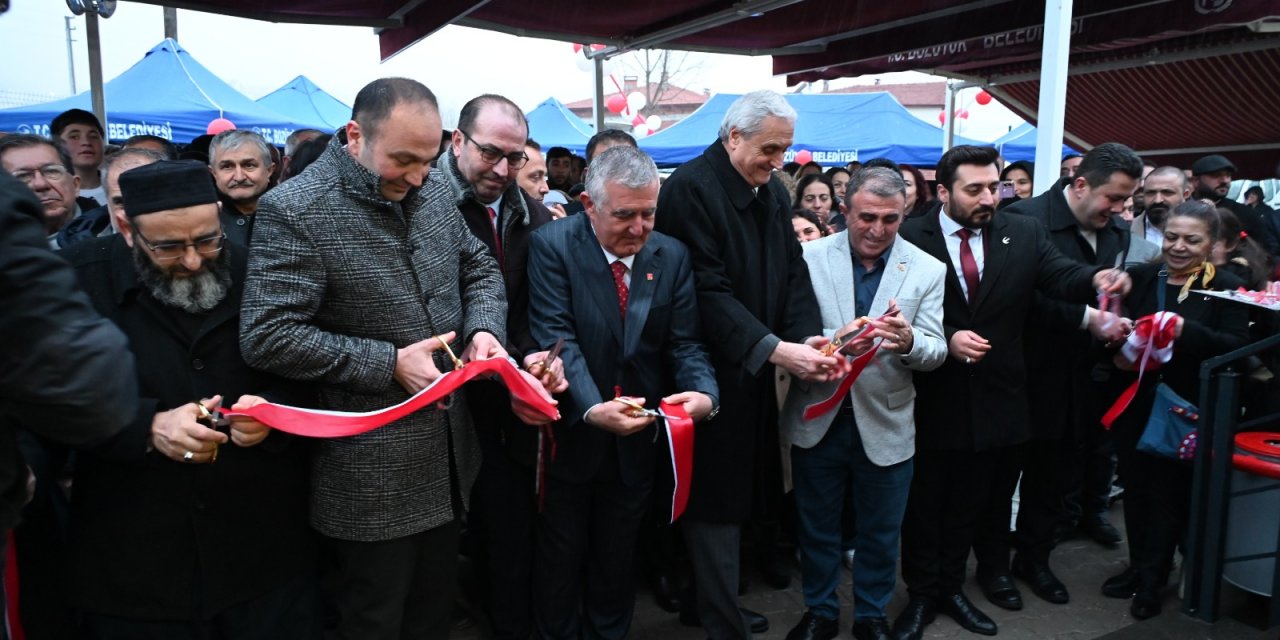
(167, 94)
(302, 100)
(834, 128)
(553, 125)
(1020, 144)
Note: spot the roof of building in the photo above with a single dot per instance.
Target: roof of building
(915, 94)
(672, 96)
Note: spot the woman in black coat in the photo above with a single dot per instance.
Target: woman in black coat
(1158, 490)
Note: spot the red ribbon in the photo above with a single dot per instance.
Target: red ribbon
(680, 441)
(859, 363)
(1150, 345)
(317, 423)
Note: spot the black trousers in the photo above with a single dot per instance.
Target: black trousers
(503, 504)
(585, 544)
(992, 539)
(948, 494)
(1157, 502)
(401, 589)
(288, 612)
(1048, 468)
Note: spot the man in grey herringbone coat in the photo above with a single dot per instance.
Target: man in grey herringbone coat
(356, 264)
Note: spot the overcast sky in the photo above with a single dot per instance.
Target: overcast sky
(258, 57)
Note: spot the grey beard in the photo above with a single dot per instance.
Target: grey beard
(196, 294)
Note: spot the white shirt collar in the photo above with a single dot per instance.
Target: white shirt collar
(610, 258)
(950, 227)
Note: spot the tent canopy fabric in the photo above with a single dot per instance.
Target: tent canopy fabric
(834, 128)
(302, 100)
(167, 94)
(553, 125)
(1020, 144)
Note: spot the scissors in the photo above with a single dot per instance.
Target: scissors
(214, 420)
(551, 357)
(638, 408)
(843, 341)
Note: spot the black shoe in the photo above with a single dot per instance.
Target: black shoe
(910, 624)
(756, 622)
(1000, 591)
(1100, 531)
(1145, 605)
(966, 615)
(872, 629)
(666, 593)
(1043, 582)
(812, 627)
(1063, 532)
(1121, 586)
(774, 566)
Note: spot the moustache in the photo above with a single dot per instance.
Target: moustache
(240, 183)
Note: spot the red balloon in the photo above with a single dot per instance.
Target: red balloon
(804, 156)
(983, 98)
(218, 125)
(964, 115)
(942, 117)
(577, 48)
(616, 103)
(638, 120)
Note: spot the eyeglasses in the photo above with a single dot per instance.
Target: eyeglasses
(493, 155)
(51, 173)
(170, 251)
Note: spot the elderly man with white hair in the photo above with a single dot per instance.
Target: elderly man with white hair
(240, 161)
(758, 312)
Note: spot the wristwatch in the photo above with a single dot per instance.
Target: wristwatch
(714, 412)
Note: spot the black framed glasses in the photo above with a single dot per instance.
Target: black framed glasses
(170, 251)
(493, 155)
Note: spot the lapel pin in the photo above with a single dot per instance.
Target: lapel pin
(1004, 240)
(648, 276)
(902, 267)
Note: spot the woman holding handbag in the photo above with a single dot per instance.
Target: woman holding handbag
(1158, 488)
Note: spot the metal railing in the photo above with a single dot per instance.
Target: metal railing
(1211, 491)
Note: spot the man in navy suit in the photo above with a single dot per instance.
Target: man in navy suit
(623, 300)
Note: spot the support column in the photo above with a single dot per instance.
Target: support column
(1053, 93)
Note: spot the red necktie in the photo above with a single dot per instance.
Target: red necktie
(497, 237)
(620, 270)
(968, 265)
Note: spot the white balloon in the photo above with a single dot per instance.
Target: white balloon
(640, 130)
(653, 122)
(582, 62)
(637, 101)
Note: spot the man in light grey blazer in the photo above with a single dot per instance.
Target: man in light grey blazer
(869, 438)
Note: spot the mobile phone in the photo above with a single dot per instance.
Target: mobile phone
(1006, 189)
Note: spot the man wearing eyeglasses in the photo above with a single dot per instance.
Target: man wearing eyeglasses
(481, 167)
(46, 169)
(167, 518)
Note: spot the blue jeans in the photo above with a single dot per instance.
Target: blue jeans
(821, 476)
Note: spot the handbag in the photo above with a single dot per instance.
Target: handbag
(1171, 429)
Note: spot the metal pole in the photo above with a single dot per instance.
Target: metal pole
(95, 66)
(597, 96)
(948, 133)
(171, 23)
(71, 56)
(1214, 482)
(1053, 92)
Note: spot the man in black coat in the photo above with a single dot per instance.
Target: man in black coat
(972, 410)
(1212, 176)
(480, 168)
(622, 299)
(758, 309)
(1078, 214)
(166, 543)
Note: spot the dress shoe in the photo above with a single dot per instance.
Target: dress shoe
(755, 621)
(872, 629)
(911, 622)
(1043, 582)
(1122, 585)
(812, 627)
(1100, 531)
(666, 593)
(1001, 591)
(966, 615)
(1145, 605)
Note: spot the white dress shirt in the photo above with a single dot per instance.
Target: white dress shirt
(949, 233)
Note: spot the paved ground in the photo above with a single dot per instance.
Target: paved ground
(1081, 564)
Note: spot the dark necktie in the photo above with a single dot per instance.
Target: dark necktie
(620, 270)
(497, 236)
(968, 265)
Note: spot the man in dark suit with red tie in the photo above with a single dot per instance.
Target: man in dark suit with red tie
(622, 299)
(972, 410)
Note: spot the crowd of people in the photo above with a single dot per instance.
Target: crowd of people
(874, 362)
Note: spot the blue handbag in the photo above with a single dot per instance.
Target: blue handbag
(1171, 429)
